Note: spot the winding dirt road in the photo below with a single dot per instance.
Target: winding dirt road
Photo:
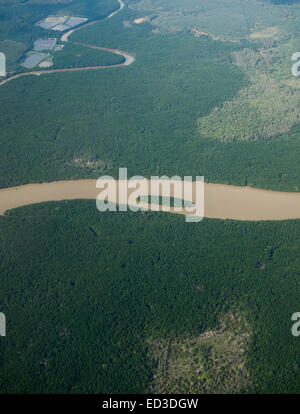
(129, 59)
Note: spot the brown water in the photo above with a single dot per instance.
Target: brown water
(221, 201)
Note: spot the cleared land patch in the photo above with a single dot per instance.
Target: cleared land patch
(229, 19)
(213, 362)
(266, 108)
(269, 106)
(140, 20)
(265, 33)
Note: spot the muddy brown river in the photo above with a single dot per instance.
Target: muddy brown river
(221, 201)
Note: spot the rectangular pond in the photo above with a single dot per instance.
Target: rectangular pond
(32, 60)
(44, 44)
